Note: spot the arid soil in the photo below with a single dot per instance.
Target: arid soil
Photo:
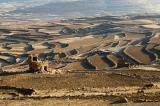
(91, 61)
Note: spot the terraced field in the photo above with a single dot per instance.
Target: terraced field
(116, 60)
(98, 61)
(139, 54)
(78, 42)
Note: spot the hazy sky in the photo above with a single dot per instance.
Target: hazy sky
(151, 5)
(106, 6)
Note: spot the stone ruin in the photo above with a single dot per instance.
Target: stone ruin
(36, 65)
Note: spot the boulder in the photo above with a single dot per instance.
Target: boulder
(119, 100)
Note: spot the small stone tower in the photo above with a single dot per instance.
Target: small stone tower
(36, 65)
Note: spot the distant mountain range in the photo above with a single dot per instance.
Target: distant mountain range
(76, 8)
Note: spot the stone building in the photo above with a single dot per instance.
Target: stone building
(36, 65)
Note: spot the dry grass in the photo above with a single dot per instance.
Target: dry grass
(74, 66)
(150, 46)
(137, 53)
(133, 36)
(155, 40)
(54, 102)
(84, 43)
(114, 58)
(123, 43)
(69, 81)
(98, 62)
(157, 48)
